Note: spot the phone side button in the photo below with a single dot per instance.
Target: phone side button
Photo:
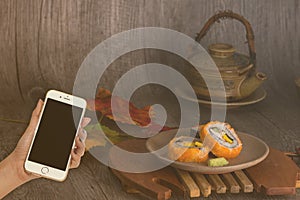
(44, 170)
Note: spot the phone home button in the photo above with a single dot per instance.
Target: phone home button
(44, 170)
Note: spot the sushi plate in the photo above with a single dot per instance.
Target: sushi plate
(254, 151)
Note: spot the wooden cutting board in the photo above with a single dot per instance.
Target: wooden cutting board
(276, 175)
(158, 184)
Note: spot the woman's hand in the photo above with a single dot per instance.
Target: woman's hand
(12, 172)
(19, 154)
(79, 150)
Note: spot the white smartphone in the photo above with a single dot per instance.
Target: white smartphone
(50, 150)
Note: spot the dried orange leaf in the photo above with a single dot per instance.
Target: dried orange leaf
(95, 138)
(138, 116)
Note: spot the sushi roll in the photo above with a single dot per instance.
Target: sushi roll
(187, 149)
(228, 144)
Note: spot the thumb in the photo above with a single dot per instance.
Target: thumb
(35, 114)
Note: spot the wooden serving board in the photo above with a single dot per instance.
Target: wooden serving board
(277, 175)
(158, 184)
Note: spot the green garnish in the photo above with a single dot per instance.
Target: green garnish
(217, 162)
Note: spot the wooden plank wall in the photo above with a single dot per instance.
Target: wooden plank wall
(44, 42)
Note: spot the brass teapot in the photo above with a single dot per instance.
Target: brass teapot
(237, 70)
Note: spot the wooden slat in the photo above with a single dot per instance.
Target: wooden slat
(231, 183)
(189, 183)
(244, 181)
(217, 184)
(298, 184)
(203, 184)
(298, 180)
(9, 76)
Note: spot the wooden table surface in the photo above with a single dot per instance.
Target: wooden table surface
(275, 120)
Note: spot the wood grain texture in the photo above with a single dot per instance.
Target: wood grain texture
(189, 183)
(8, 47)
(159, 184)
(204, 186)
(274, 183)
(244, 181)
(231, 183)
(91, 180)
(43, 44)
(217, 184)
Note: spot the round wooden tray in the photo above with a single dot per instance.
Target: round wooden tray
(254, 151)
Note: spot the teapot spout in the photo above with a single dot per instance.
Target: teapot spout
(249, 85)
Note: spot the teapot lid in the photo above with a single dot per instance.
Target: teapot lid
(221, 50)
(226, 58)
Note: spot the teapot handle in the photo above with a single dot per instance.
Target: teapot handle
(229, 14)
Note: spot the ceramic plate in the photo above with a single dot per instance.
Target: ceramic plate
(254, 151)
(256, 97)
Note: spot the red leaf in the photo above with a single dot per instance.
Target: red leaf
(103, 101)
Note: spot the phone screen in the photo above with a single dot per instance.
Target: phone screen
(55, 134)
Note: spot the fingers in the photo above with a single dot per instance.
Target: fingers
(77, 153)
(85, 121)
(80, 147)
(82, 135)
(75, 160)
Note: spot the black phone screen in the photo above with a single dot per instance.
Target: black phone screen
(55, 135)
